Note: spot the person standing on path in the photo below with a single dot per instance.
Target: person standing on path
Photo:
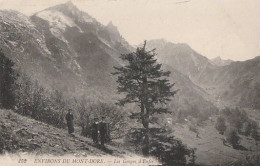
(69, 119)
(95, 130)
(103, 131)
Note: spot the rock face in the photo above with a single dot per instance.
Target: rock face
(64, 48)
(220, 62)
(181, 57)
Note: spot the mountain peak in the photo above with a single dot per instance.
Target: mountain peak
(113, 29)
(218, 61)
(217, 58)
(69, 3)
(156, 43)
(162, 41)
(110, 24)
(67, 8)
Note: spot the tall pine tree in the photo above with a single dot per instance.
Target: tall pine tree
(144, 82)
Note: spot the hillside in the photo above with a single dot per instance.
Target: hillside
(20, 134)
(181, 57)
(210, 145)
(236, 84)
(190, 100)
(70, 56)
(63, 48)
(229, 83)
(66, 49)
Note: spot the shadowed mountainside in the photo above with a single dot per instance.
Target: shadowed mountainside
(231, 84)
(66, 49)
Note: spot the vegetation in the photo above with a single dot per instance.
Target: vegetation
(232, 137)
(35, 101)
(236, 118)
(221, 125)
(234, 122)
(86, 111)
(163, 145)
(8, 77)
(144, 82)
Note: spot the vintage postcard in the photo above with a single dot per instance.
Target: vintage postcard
(129, 82)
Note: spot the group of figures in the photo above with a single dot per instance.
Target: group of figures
(99, 129)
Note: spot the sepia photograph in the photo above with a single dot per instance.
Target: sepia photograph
(129, 82)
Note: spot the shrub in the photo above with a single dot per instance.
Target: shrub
(221, 125)
(232, 137)
(163, 146)
(115, 118)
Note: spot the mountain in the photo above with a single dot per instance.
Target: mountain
(64, 48)
(237, 84)
(67, 49)
(190, 100)
(220, 62)
(229, 83)
(181, 57)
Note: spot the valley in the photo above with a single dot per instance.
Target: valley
(68, 54)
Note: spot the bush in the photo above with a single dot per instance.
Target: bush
(194, 129)
(221, 125)
(232, 137)
(236, 118)
(115, 118)
(163, 146)
(255, 134)
(35, 101)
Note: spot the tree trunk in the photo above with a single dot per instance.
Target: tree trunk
(146, 138)
(83, 130)
(145, 122)
(145, 118)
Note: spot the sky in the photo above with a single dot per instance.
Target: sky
(226, 28)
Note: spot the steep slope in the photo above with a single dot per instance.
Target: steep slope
(237, 84)
(190, 100)
(229, 83)
(64, 48)
(181, 57)
(185, 65)
(21, 134)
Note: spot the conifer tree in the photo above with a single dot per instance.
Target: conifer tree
(144, 82)
(221, 125)
(7, 82)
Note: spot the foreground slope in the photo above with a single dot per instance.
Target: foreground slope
(22, 134)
